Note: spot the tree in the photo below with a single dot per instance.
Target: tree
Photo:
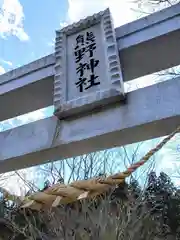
(126, 212)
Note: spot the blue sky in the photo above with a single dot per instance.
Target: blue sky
(32, 39)
(27, 28)
(27, 31)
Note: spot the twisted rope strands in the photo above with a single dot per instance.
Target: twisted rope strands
(144, 159)
(94, 187)
(62, 194)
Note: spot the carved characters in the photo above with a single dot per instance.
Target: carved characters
(85, 45)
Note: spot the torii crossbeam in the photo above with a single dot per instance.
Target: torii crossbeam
(145, 46)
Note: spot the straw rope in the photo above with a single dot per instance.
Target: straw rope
(63, 194)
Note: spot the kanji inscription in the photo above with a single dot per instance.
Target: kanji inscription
(86, 70)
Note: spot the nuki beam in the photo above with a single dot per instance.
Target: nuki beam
(150, 112)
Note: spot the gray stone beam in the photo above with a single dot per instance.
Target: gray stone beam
(150, 44)
(145, 46)
(27, 88)
(150, 112)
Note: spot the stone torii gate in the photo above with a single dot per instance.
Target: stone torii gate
(100, 116)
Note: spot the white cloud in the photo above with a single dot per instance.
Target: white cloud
(2, 70)
(23, 119)
(11, 19)
(122, 13)
(153, 6)
(9, 63)
(121, 10)
(19, 182)
(169, 156)
(51, 43)
(32, 116)
(12, 183)
(63, 24)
